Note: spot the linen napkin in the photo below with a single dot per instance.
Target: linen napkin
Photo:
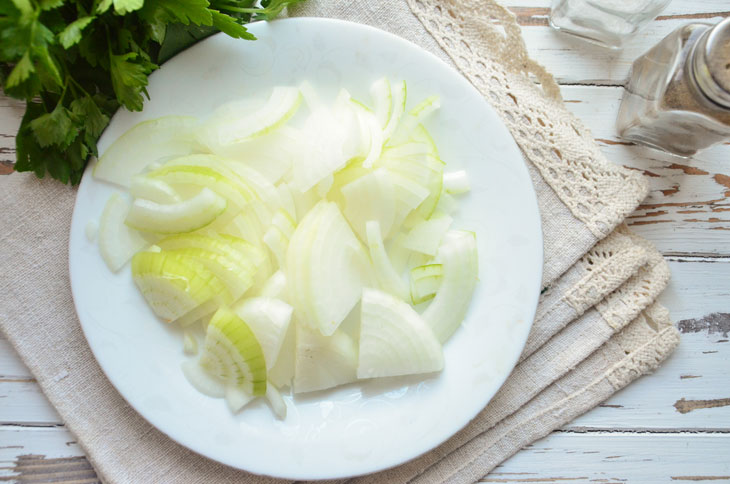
(596, 330)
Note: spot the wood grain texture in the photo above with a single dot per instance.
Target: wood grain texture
(11, 111)
(618, 457)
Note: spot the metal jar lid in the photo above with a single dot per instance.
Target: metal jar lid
(711, 64)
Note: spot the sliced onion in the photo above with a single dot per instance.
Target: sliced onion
(398, 96)
(323, 361)
(144, 144)
(370, 197)
(394, 340)
(458, 255)
(382, 100)
(456, 182)
(232, 353)
(154, 190)
(425, 237)
(117, 242)
(174, 287)
(203, 381)
(275, 286)
(238, 397)
(230, 128)
(425, 282)
(278, 405)
(269, 320)
(325, 267)
(385, 273)
(414, 118)
(282, 373)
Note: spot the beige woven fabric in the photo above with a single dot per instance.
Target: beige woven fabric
(596, 329)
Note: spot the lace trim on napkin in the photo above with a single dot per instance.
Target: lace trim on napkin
(644, 356)
(484, 41)
(619, 308)
(608, 265)
(605, 268)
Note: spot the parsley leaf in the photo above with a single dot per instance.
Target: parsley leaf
(229, 26)
(125, 6)
(183, 11)
(54, 128)
(72, 33)
(129, 79)
(20, 72)
(86, 108)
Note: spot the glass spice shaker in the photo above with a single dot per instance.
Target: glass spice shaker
(605, 22)
(678, 94)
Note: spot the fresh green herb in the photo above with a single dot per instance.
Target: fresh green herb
(74, 62)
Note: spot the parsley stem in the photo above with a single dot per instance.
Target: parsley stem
(81, 88)
(243, 9)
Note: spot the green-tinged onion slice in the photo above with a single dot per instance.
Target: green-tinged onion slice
(269, 320)
(174, 287)
(425, 282)
(171, 218)
(233, 354)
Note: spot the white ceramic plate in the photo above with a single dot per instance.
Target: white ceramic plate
(363, 427)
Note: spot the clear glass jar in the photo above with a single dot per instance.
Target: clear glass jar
(678, 94)
(605, 22)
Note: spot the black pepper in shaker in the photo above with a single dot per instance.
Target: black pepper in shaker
(677, 97)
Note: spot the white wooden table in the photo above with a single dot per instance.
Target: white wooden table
(673, 425)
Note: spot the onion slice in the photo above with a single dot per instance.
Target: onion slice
(394, 339)
(458, 255)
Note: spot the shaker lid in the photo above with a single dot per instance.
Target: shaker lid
(716, 53)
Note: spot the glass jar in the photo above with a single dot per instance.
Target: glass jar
(605, 22)
(678, 94)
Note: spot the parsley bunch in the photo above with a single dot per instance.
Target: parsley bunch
(75, 62)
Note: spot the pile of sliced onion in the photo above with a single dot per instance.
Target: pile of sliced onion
(298, 247)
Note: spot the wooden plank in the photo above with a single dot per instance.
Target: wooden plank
(37, 469)
(596, 457)
(11, 368)
(23, 402)
(562, 456)
(11, 111)
(615, 457)
(52, 443)
(573, 61)
(687, 7)
(699, 287)
(688, 207)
